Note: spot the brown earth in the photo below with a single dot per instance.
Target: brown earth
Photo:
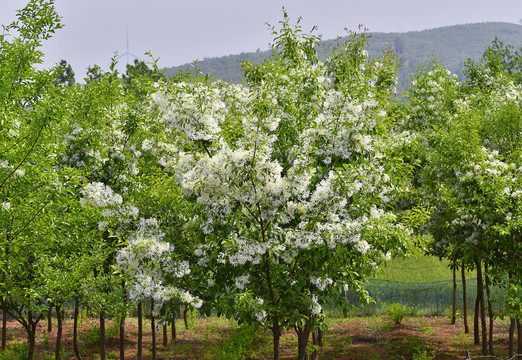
(357, 338)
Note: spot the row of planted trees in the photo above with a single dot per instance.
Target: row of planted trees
(262, 201)
(75, 190)
(469, 176)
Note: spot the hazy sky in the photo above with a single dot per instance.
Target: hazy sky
(180, 31)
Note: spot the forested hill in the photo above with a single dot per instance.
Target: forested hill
(451, 45)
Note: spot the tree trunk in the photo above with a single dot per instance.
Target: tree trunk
(490, 313)
(317, 339)
(75, 329)
(276, 334)
(140, 331)
(50, 319)
(4, 278)
(454, 308)
(173, 328)
(480, 291)
(303, 334)
(4, 329)
(511, 340)
(185, 316)
(165, 336)
(476, 330)
(153, 329)
(31, 341)
(102, 335)
(519, 339)
(31, 334)
(58, 334)
(464, 300)
(122, 322)
(122, 337)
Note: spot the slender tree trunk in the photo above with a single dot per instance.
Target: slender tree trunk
(31, 334)
(165, 335)
(75, 329)
(476, 329)
(512, 325)
(519, 339)
(140, 331)
(317, 339)
(4, 329)
(480, 291)
(185, 316)
(50, 318)
(173, 328)
(31, 341)
(276, 334)
(511, 340)
(303, 334)
(454, 308)
(122, 337)
(464, 300)
(102, 335)
(59, 327)
(153, 329)
(122, 322)
(4, 312)
(490, 312)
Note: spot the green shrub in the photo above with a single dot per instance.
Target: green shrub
(398, 311)
(238, 344)
(16, 351)
(91, 336)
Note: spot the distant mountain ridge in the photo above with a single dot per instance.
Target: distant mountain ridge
(451, 45)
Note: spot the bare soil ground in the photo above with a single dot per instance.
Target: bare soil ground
(357, 338)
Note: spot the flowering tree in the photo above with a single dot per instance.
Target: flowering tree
(30, 187)
(292, 170)
(469, 175)
(495, 86)
(107, 138)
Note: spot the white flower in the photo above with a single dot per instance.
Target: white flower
(362, 246)
(320, 283)
(147, 144)
(102, 225)
(6, 205)
(315, 308)
(99, 195)
(242, 281)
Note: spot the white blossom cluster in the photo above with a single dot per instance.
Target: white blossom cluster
(321, 283)
(99, 195)
(315, 308)
(196, 110)
(5, 205)
(151, 264)
(110, 204)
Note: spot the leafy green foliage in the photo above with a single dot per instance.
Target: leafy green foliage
(64, 74)
(238, 345)
(398, 311)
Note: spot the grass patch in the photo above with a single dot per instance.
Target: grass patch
(419, 268)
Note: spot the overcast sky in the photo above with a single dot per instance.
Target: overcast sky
(180, 31)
